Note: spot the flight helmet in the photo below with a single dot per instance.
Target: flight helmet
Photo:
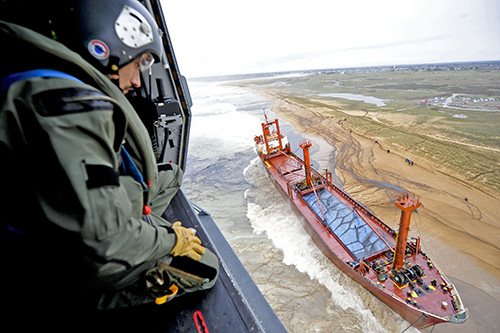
(115, 32)
(107, 33)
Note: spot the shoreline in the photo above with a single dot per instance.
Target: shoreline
(458, 221)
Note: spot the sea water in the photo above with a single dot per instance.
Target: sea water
(225, 177)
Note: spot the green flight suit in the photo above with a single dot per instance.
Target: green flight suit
(77, 217)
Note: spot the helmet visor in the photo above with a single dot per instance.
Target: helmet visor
(146, 61)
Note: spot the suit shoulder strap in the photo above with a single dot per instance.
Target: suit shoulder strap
(8, 80)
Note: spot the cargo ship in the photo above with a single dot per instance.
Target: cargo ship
(379, 258)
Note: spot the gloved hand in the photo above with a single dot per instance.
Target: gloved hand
(187, 243)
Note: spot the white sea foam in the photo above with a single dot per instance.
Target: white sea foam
(217, 127)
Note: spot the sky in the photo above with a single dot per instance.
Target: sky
(223, 37)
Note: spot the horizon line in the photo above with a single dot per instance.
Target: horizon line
(347, 68)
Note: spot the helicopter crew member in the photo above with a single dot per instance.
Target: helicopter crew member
(82, 220)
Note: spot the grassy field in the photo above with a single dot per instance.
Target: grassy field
(466, 147)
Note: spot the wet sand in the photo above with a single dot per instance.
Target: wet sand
(459, 221)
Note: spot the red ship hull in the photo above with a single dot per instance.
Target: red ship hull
(416, 290)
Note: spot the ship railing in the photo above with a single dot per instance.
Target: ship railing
(458, 300)
(461, 309)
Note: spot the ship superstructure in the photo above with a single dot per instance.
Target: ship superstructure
(379, 258)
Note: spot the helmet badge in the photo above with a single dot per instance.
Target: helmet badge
(132, 28)
(98, 49)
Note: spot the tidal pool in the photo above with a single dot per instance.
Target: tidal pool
(356, 97)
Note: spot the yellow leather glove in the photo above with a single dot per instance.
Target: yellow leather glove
(187, 243)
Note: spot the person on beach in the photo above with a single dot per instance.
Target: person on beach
(82, 225)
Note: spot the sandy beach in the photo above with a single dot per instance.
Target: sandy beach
(458, 222)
